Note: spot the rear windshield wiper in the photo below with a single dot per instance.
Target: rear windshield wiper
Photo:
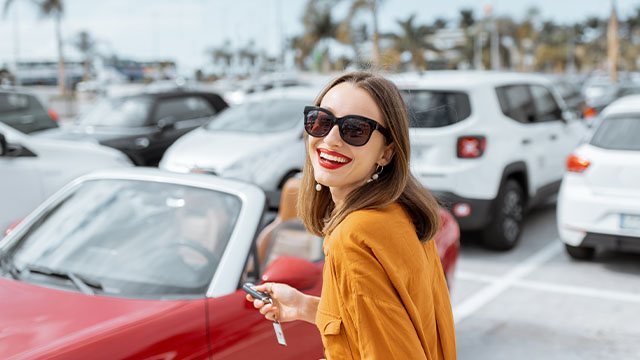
(84, 284)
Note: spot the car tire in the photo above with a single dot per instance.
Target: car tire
(504, 230)
(580, 252)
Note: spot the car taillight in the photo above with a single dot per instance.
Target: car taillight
(577, 163)
(470, 147)
(589, 112)
(53, 114)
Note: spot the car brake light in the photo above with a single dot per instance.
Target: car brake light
(577, 163)
(589, 112)
(470, 147)
(53, 114)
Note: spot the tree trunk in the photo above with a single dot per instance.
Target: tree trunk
(375, 56)
(61, 72)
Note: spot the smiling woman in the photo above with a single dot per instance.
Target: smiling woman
(384, 294)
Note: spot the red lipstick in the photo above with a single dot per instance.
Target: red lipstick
(335, 161)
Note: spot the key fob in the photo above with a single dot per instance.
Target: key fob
(250, 289)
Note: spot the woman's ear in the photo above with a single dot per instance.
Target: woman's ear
(387, 155)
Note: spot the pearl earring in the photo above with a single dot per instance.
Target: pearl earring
(376, 175)
(318, 187)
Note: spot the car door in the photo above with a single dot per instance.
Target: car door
(556, 135)
(241, 332)
(20, 184)
(517, 104)
(173, 117)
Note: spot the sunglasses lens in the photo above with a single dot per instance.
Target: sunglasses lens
(355, 131)
(317, 123)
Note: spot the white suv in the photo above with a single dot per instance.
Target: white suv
(489, 145)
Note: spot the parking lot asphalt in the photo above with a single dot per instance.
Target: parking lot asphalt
(535, 302)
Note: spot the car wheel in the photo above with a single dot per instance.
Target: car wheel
(504, 230)
(580, 252)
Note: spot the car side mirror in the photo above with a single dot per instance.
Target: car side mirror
(166, 123)
(3, 145)
(294, 271)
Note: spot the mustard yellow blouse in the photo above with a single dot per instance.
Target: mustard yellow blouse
(384, 295)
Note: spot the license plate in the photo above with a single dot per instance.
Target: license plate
(630, 221)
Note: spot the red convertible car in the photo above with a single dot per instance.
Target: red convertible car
(142, 264)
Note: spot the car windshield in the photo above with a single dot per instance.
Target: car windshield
(135, 238)
(260, 116)
(119, 111)
(618, 133)
(435, 108)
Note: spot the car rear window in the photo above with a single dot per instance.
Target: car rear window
(436, 108)
(618, 133)
(24, 113)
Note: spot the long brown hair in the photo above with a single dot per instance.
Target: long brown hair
(396, 183)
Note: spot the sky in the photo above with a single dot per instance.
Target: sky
(182, 30)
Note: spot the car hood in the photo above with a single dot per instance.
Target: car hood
(35, 319)
(102, 134)
(213, 150)
(61, 133)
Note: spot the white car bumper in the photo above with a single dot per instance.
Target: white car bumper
(586, 217)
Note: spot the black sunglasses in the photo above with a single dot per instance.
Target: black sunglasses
(355, 130)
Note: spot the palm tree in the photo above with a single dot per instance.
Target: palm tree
(467, 21)
(369, 5)
(85, 45)
(413, 39)
(318, 26)
(223, 53)
(54, 9)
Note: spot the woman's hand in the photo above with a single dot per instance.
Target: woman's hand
(288, 303)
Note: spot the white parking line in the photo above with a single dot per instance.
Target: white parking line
(557, 288)
(484, 296)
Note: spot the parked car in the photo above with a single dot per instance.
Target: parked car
(259, 141)
(489, 145)
(143, 126)
(571, 94)
(25, 113)
(145, 264)
(599, 200)
(33, 168)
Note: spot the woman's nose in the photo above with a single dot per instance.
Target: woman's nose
(333, 137)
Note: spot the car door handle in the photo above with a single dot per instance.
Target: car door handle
(526, 141)
(553, 137)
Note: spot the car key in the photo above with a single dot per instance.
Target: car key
(250, 289)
